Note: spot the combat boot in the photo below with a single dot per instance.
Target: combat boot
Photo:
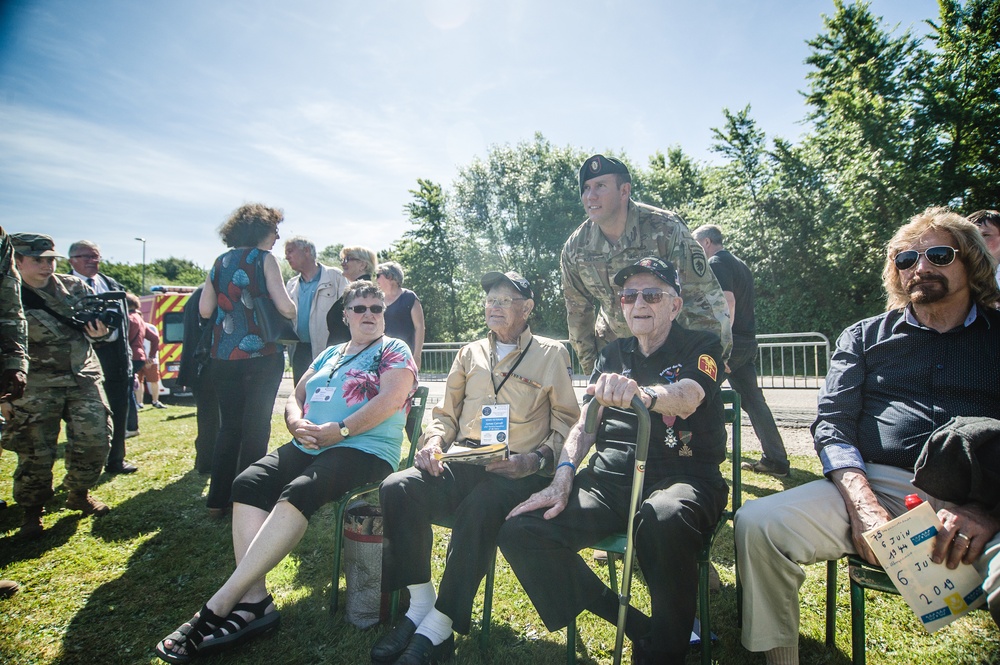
(82, 501)
(31, 525)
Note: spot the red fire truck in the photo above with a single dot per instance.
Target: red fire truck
(164, 308)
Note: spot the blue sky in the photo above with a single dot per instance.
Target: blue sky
(157, 118)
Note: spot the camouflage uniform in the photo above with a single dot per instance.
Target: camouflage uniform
(66, 384)
(589, 263)
(13, 327)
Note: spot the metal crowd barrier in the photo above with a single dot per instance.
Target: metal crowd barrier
(784, 360)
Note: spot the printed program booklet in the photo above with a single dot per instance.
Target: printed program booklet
(481, 455)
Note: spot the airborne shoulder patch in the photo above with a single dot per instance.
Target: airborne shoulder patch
(706, 364)
(699, 264)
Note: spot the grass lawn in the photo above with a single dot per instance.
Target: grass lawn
(106, 590)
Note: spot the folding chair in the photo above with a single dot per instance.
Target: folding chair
(863, 575)
(616, 543)
(414, 425)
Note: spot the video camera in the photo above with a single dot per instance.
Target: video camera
(108, 308)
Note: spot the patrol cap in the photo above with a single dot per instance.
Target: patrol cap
(663, 270)
(511, 278)
(600, 165)
(33, 244)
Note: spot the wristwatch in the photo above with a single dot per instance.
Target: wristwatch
(652, 396)
(344, 431)
(542, 460)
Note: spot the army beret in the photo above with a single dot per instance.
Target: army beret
(599, 165)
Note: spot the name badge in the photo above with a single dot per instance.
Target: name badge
(495, 424)
(323, 394)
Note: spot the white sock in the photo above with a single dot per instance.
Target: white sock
(422, 599)
(436, 627)
(783, 656)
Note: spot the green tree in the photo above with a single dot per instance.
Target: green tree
(674, 181)
(330, 255)
(518, 206)
(961, 104)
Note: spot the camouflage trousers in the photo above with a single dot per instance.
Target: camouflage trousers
(32, 432)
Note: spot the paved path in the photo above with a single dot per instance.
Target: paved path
(794, 410)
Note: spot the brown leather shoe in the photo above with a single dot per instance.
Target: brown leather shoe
(82, 501)
(8, 588)
(31, 525)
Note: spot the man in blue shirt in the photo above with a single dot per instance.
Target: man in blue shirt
(894, 379)
(314, 290)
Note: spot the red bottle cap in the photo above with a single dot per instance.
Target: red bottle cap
(912, 501)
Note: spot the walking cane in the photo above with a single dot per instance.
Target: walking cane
(638, 476)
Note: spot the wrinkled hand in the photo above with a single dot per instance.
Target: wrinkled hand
(865, 518)
(425, 459)
(12, 383)
(554, 497)
(313, 436)
(614, 390)
(977, 528)
(518, 466)
(95, 329)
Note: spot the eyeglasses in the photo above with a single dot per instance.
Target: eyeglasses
(361, 309)
(651, 296)
(941, 256)
(344, 262)
(503, 303)
(87, 257)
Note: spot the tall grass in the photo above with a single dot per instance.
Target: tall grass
(106, 590)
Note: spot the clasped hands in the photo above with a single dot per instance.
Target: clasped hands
(313, 436)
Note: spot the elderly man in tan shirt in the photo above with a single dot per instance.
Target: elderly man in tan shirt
(531, 375)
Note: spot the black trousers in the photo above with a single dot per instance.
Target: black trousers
(207, 405)
(246, 391)
(306, 481)
(743, 379)
(478, 501)
(669, 532)
(301, 358)
(117, 392)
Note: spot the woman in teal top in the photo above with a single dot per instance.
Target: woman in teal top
(346, 416)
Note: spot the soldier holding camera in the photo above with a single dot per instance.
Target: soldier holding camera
(66, 385)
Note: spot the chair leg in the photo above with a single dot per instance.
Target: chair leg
(857, 624)
(338, 545)
(484, 633)
(571, 642)
(612, 575)
(831, 604)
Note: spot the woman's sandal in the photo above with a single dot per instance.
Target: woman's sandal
(236, 630)
(188, 637)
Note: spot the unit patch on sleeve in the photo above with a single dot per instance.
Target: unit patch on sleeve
(706, 364)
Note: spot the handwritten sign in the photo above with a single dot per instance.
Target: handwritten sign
(936, 594)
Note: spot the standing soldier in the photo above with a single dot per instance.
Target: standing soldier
(13, 349)
(66, 384)
(618, 232)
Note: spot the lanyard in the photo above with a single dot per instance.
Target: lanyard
(496, 388)
(344, 361)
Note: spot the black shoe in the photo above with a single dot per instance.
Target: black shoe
(420, 651)
(390, 646)
(764, 465)
(121, 467)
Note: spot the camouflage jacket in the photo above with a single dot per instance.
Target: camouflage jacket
(61, 355)
(589, 263)
(13, 327)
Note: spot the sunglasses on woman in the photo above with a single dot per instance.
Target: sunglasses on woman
(651, 296)
(361, 309)
(941, 255)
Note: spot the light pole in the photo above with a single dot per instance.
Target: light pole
(143, 289)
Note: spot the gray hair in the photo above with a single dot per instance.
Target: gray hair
(301, 242)
(362, 288)
(710, 231)
(82, 244)
(393, 271)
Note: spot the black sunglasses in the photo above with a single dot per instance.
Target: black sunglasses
(941, 255)
(361, 309)
(651, 296)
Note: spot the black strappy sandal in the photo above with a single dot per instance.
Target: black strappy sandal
(189, 636)
(236, 630)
